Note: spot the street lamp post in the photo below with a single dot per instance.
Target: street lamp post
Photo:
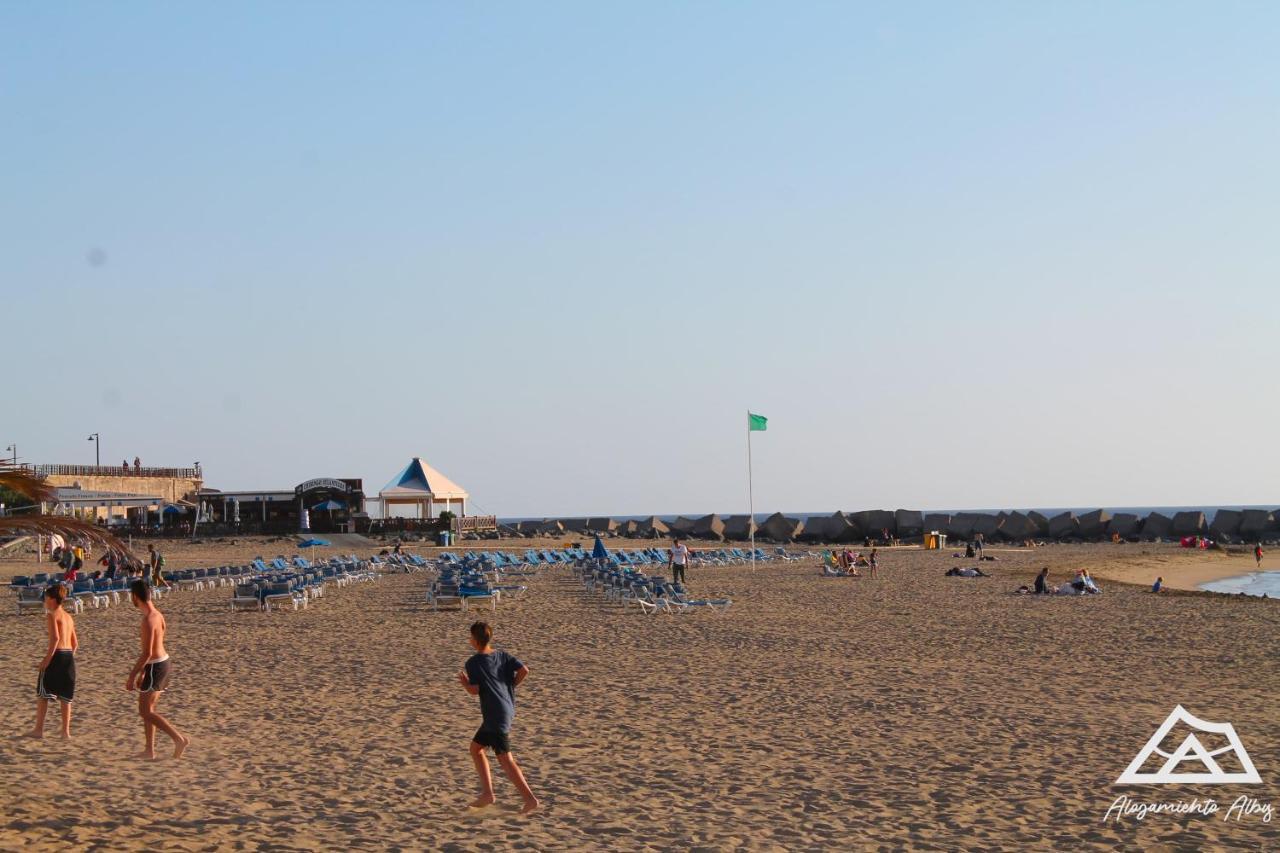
(13, 448)
(97, 448)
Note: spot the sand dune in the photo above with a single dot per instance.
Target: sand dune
(915, 710)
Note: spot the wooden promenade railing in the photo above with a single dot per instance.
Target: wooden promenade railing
(474, 523)
(113, 471)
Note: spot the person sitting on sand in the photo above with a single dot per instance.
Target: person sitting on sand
(493, 676)
(150, 675)
(58, 668)
(1156, 587)
(1042, 582)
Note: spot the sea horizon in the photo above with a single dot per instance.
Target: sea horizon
(1209, 510)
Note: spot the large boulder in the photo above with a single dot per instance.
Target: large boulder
(1064, 525)
(708, 527)
(574, 525)
(739, 527)
(840, 528)
(1254, 523)
(681, 525)
(909, 523)
(1226, 524)
(1126, 525)
(873, 522)
(529, 528)
(961, 525)
(550, 527)
(936, 522)
(816, 529)
(1093, 525)
(1157, 526)
(780, 528)
(985, 524)
(652, 528)
(1016, 527)
(1188, 523)
(602, 525)
(1040, 521)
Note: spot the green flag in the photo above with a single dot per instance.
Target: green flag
(757, 423)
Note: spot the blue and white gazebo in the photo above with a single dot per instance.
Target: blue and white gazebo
(422, 486)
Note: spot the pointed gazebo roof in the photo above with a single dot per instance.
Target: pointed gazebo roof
(419, 481)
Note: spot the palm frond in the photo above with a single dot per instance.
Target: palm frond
(25, 483)
(70, 529)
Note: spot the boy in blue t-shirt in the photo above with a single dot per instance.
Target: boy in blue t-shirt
(493, 676)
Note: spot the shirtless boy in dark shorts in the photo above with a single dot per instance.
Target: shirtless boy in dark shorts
(151, 673)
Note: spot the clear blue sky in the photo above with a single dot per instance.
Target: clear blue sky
(961, 254)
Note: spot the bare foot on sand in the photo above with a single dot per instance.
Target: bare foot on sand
(530, 806)
(66, 735)
(180, 746)
(36, 735)
(147, 755)
(482, 801)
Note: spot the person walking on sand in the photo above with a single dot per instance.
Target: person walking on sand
(678, 561)
(977, 544)
(157, 568)
(1257, 554)
(150, 675)
(873, 563)
(493, 676)
(58, 668)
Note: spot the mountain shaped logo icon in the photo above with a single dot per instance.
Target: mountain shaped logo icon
(1192, 749)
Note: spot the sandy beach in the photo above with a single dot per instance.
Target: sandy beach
(914, 710)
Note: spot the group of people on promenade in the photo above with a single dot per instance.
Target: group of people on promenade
(149, 676)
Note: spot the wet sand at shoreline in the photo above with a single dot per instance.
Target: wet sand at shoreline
(913, 710)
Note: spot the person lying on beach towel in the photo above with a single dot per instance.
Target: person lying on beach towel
(967, 573)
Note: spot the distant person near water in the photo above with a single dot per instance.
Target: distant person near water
(679, 561)
(1257, 554)
(150, 675)
(493, 676)
(58, 668)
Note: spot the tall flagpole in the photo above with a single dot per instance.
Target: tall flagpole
(751, 497)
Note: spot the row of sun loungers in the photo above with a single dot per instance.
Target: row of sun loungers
(293, 583)
(474, 578)
(81, 593)
(647, 593)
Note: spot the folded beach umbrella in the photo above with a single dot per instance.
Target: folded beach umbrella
(598, 551)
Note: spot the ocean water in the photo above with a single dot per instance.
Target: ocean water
(1254, 583)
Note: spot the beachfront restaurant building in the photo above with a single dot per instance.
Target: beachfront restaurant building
(320, 505)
